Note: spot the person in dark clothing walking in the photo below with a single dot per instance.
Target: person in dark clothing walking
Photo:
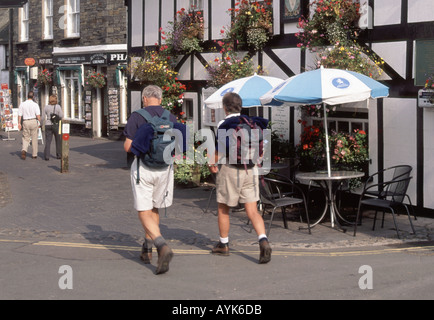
(53, 114)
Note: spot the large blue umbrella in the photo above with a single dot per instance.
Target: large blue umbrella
(327, 87)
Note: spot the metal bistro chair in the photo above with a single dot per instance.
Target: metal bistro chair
(281, 194)
(394, 193)
(397, 172)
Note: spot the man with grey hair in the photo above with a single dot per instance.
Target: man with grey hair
(154, 188)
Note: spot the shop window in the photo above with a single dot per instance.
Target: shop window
(22, 82)
(24, 23)
(47, 19)
(72, 94)
(345, 125)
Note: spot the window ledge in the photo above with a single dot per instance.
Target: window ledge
(71, 38)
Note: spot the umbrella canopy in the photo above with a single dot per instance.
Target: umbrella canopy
(250, 90)
(326, 86)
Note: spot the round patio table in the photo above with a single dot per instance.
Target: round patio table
(330, 184)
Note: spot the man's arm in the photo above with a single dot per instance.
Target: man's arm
(127, 145)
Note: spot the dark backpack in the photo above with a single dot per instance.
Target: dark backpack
(249, 144)
(54, 118)
(154, 158)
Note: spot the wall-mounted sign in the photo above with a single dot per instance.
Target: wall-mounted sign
(43, 61)
(29, 62)
(90, 59)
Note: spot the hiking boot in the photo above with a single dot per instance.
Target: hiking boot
(265, 251)
(146, 255)
(165, 254)
(221, 249)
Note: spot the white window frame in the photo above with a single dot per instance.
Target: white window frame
(73, 19)
(48, 18)
(68, 108)
(24, 23)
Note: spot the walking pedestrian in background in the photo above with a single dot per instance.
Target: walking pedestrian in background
(30, 114)
(53, 115)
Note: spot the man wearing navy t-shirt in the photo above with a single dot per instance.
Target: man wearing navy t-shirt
(155, 187)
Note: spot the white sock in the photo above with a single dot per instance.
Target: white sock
(261, 236)
(224, 240)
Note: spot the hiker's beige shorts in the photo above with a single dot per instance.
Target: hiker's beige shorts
(237, 185)
(155, 188)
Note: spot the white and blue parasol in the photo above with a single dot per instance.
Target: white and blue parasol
(327, 87)
(250, 90)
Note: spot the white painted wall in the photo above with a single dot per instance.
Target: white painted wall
(387, 12)
(400, 136)
(428, 158)
(420, 10)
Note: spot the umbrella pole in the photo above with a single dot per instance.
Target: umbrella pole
(329, 170)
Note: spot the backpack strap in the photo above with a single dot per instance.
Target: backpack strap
(145, 114)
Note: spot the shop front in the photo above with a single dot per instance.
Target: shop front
(91, 86)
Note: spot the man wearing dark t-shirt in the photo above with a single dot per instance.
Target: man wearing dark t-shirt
(155, 187)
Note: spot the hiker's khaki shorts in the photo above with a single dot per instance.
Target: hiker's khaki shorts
(155, 188)
(237, 185)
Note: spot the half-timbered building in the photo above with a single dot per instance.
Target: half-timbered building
(401, 32)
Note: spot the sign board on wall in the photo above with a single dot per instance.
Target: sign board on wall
(280, 122)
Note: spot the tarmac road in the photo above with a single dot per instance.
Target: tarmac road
(84, 220)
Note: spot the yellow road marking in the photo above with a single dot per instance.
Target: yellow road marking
(304, 253)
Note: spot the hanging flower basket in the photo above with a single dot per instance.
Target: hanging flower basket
(155, 68)
(45, 77)
(95, 79)
(252, 24)
(186, 32)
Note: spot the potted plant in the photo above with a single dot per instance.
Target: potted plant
(189, 173)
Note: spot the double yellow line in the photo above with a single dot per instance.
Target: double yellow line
(304, 253)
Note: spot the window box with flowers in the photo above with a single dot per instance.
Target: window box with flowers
(95, 79)
(186, 32)
(45, 77)
(155, 68)
(252, 24)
